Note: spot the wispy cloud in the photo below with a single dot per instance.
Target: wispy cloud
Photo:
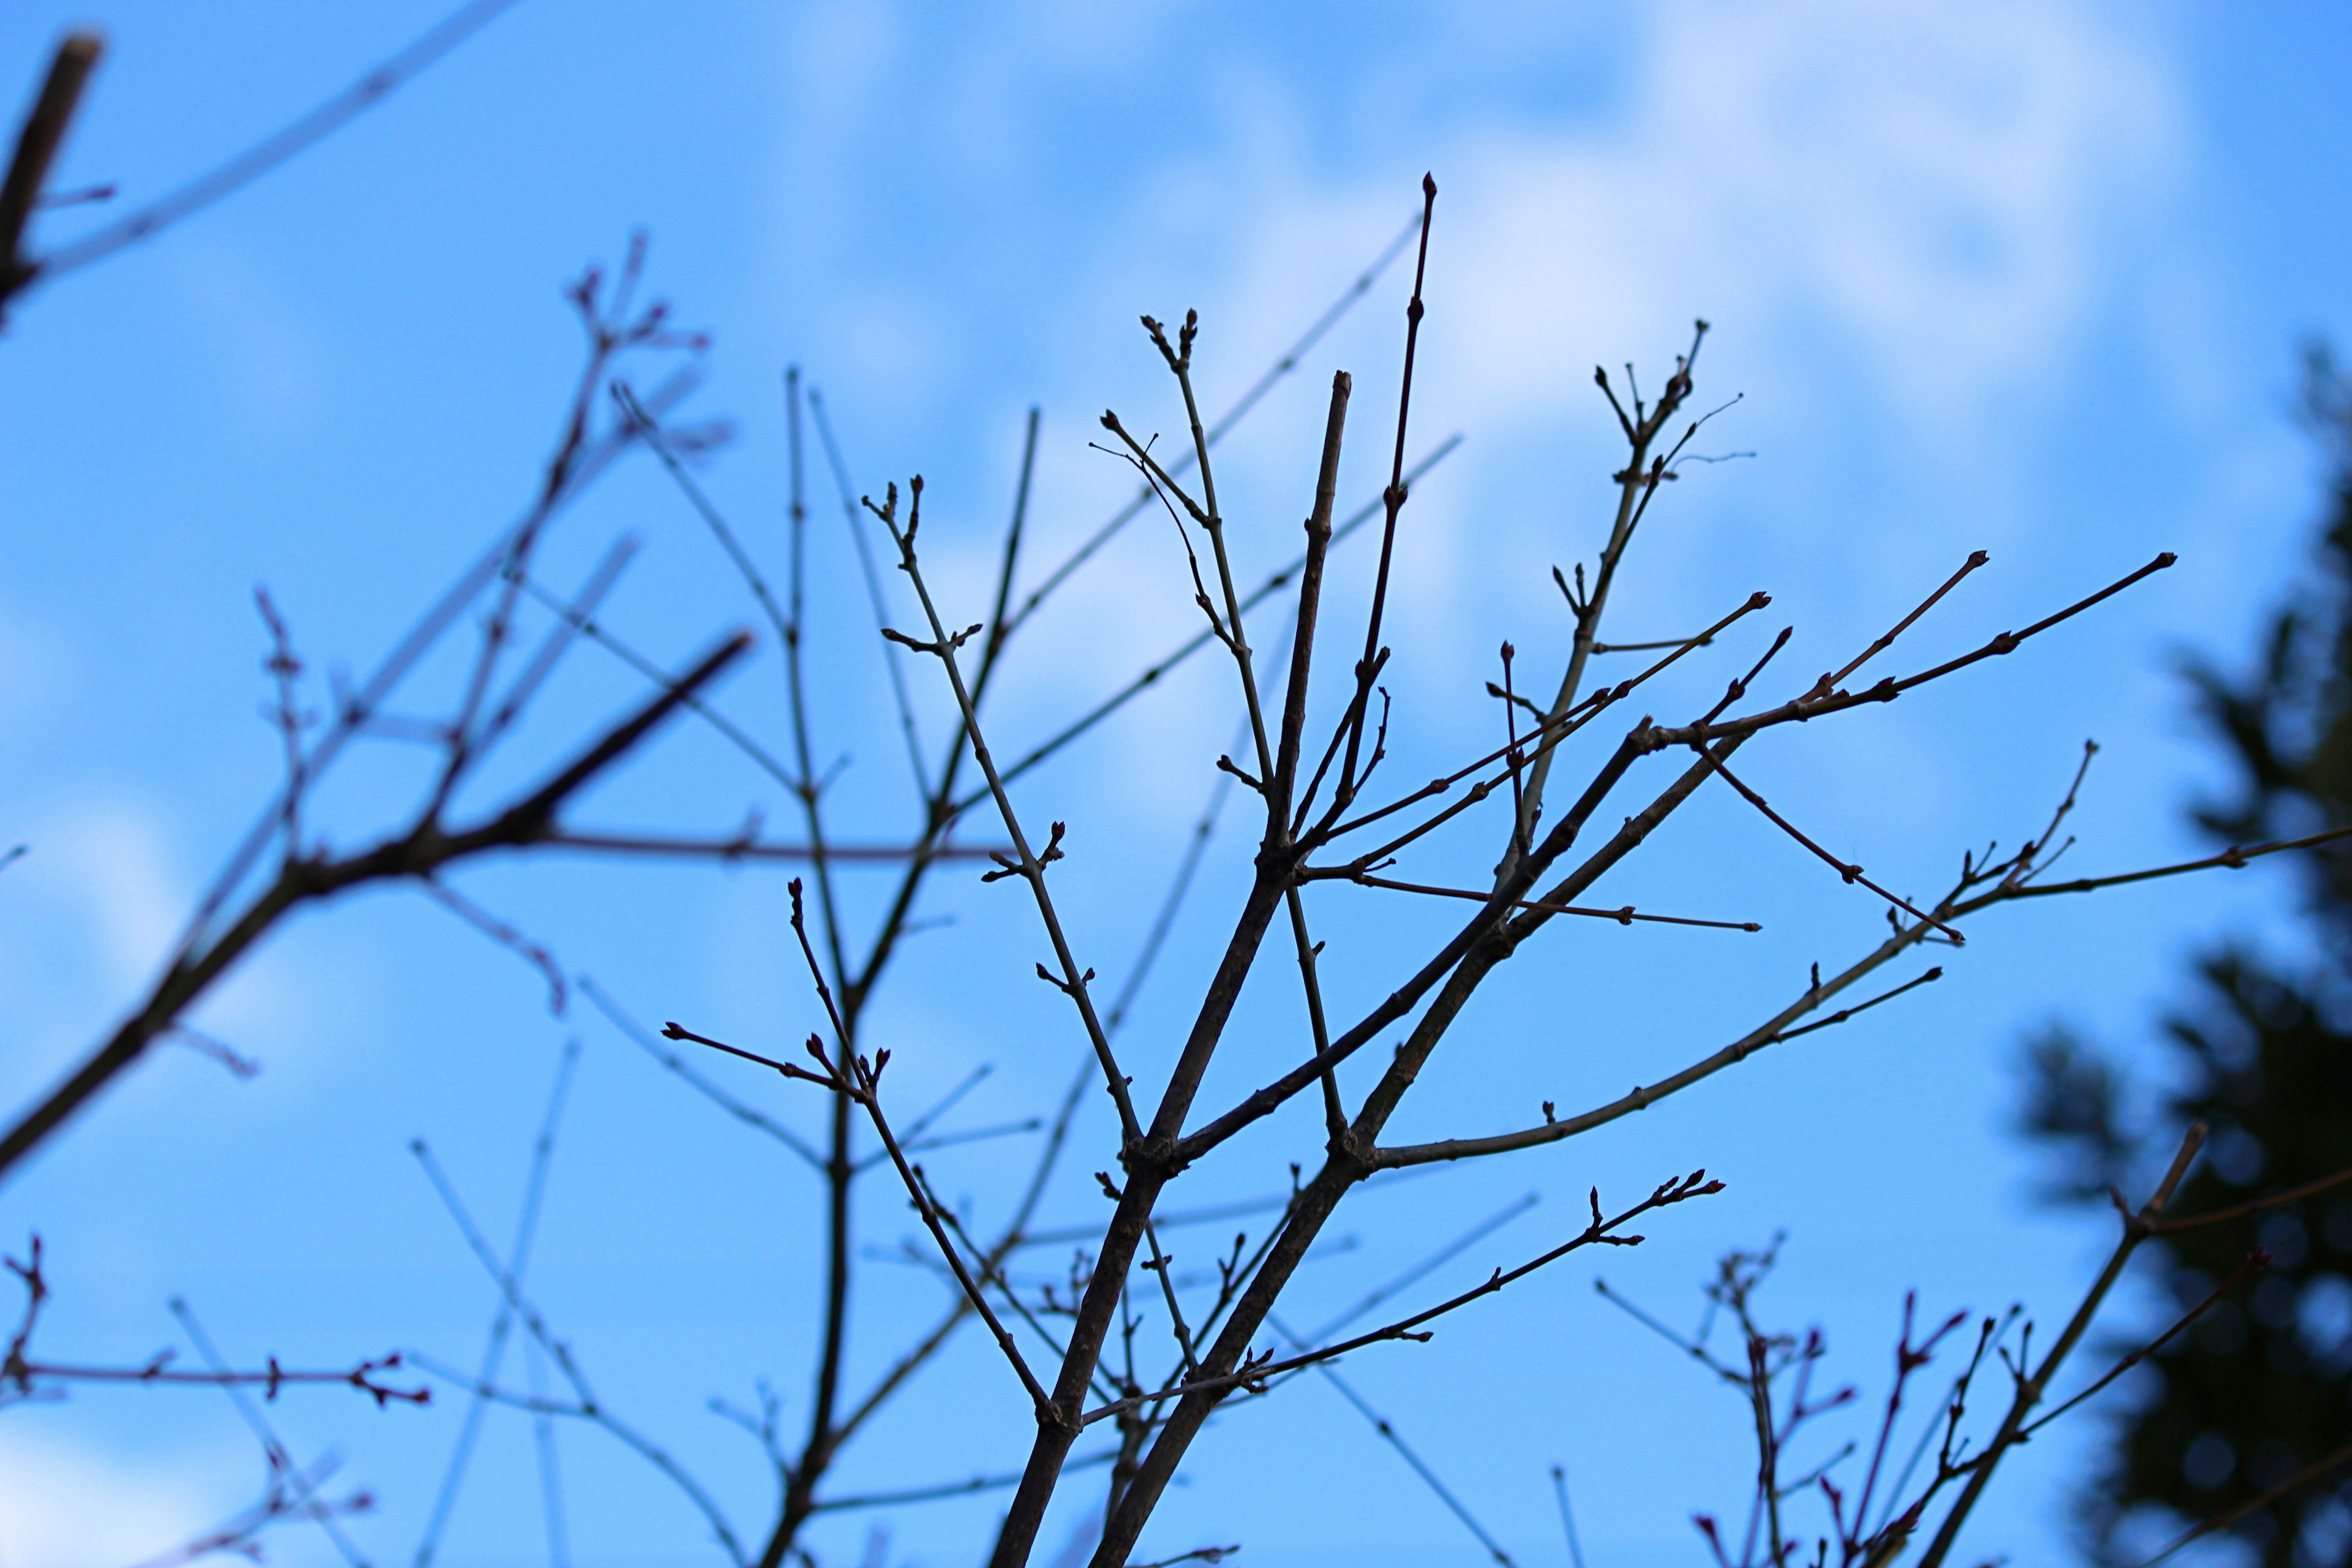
(62, 1506)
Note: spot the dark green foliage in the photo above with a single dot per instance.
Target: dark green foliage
(2259, 1389)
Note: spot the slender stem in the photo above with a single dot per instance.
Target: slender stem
(502, 1324)
(747, 848)
(1392, 499)
(1282, 778)
(1152, 674)
(1636, 482)
(1482, 929)
(866, 1082)
(1284, 364)
(357, 709)
(425, 849)
(1888, 689)
(997, 627)
(1227, 1368)
(1625, 916)
(803, 755)
(2301, 1479)
(2029, 1388)
(589, 1408)
(2234, 858)
(370, 89)
(890, 655)
(1552, 729)
(1072, 982)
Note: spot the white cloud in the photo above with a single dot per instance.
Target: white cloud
(260, 331)
(1940, 187)
(93, 910)
(110, 863)
(64, 1507)
(1910, 217)
(34, 665)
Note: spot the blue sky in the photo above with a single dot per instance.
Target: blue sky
(2026, 278)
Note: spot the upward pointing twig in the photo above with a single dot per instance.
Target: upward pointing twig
(1567, 1517)
(866, 567)
(1394, 499)
(2138, 1227)
(1072, 982)
(1234, 415)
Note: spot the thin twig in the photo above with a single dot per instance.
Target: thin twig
(1392, 502)
(1072, 982)
(645, 1040)
(905, 1495)
(1255, 1372)
(1150, 675)
(502, 1323)
(1851, 873)
(2253, 1207)
(1567, 1517)
(1553, 729)
(421, 851)
(748, 848)
(358, 709)
(1625, 916)
(1642, 1099)
(2030, 1387)
(2302, 1477)
(370, 89)
(590, 1408)
(2232, 859)
(890, 654)
(281, 1459)
(1888, 689)
(1237, 411)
